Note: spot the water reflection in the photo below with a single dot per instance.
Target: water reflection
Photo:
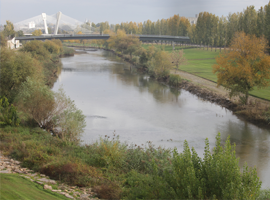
(115, 96)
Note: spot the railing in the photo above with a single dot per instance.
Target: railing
(103, 36)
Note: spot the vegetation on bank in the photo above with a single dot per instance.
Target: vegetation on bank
(117, 170)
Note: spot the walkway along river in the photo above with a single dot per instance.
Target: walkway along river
(115, 97)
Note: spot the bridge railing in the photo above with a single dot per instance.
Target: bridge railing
(104, 36)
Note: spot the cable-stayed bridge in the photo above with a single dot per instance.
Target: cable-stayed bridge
(51, 24)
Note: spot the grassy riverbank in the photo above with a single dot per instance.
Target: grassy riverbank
(200, 63)
(14, 186)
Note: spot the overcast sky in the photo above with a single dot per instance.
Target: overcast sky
(117, 11)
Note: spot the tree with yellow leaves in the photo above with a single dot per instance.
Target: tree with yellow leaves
(245, 67)
(37, 32)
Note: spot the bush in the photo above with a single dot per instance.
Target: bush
(175, 80)
(73, 172)
(8, 114)
(216, 176)
(15, 68)
(54, 112)
(160, 65)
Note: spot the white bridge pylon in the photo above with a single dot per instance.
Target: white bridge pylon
(54, 22)
(45, 23)
(58, 15)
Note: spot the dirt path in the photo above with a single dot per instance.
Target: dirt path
(212, 86)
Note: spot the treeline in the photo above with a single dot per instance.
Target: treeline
(209, 29)
(219, 31)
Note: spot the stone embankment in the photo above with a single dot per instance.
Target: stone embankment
(10, 166)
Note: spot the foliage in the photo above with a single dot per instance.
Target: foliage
(53, 46)
(9, 30)
(15, 68)
(8, 114)
(67, 51)
(245, 67)
(160, 65)
(264, 194)
(3, 41)
(47, 53)
(37, 49)
(141, 172)
(37, 100)
(216, 176)
(67, 118)
(175, 80)
(54, 112)
(19, 33)
(37, 32)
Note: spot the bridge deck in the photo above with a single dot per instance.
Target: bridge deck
(103, 37)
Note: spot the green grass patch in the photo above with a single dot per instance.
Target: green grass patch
(14, 186)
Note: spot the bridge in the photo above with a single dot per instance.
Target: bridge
(104, 37)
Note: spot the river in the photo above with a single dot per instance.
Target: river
(114, 97)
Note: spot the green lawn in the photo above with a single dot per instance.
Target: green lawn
(13, 186)
(200, 63)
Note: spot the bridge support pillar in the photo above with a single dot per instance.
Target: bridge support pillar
(58, 15)
(173, 45)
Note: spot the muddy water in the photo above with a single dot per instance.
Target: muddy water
(115, 97)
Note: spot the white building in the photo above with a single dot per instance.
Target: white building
(31, 24)
(193, 20)
(13, 44)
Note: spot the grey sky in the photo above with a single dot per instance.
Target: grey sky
(116, 11)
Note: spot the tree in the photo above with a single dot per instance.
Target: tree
(245, 67)
(9, 30)
(19, 33)
(267, 22)
(160, 65)
(54, 112)
(37, 32)
(177, 58)
(15, 68)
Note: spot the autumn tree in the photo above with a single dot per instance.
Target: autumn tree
(37, 32)
(245, 67)
(9, 30)
(177, 58)
(160, 65)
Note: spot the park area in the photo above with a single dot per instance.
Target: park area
(200, 62)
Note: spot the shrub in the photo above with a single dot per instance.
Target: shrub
(160, 65)
(8, 114)
(73, 171)
(37, 100)
(175, 80)
(15, 68)
(54, 112)
(217, 176)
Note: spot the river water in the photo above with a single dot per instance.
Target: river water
(114, 97)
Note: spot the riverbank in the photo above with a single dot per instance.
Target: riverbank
(257, 111)
(34, 185)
